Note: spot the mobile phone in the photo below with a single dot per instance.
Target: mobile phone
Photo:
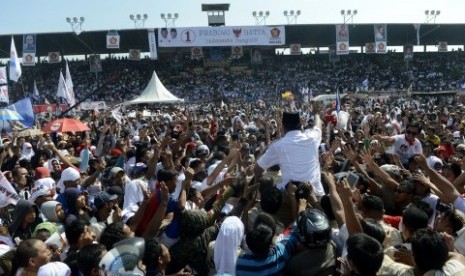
(352, 178)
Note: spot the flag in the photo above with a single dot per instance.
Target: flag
(62, 91)
(117, 114)
(15, 66)
(71, 99)
(35, 92)
(8, 195)
(24, 108)
(338, 101)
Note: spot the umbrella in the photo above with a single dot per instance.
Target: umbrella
(65, 125)
(30, 132)
(10, 115)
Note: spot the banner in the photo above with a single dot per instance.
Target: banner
(96, 105)
(295, 49)
(196, 52)
(152, 45)
(256, 56)
(29, 49)
(8, 194)
(95, 64)
(408, 52)
(222, 36)
(29, 59)
(370, 48)
(442, 46)
(112, 40)
(381, 38)
(54, 57)
(237, 51)
(134, 54)
(342, 39)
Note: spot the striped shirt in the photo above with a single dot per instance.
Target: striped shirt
(273, 264)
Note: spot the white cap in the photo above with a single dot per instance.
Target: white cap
(70, 174)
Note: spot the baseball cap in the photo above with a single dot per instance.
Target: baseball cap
(41, 172)
(103, 198)
(114, 171)
(38, 191)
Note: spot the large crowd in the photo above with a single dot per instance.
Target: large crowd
(251, 186)
(123, 79)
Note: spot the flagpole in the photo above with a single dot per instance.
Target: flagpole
(22, 86)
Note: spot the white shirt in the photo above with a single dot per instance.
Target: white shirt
(297, 155)
(404, 149)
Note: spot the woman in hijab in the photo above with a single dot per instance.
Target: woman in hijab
(25, 218)
(26, 151)
(76, 205)
(53, 212)
(227, 246)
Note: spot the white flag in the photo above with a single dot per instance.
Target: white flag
(69, 83)
(35, 91)
(62, 91)
(117, 114)
(15, 66)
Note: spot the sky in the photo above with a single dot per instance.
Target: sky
(45, 16)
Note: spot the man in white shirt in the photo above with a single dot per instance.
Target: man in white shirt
(405, 145)
(296, 154)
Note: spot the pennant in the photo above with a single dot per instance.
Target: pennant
(152, 44)
(29, 59)
(295, 49)
(95, 64)
(113, 40)
(342, 39)
(442, 46)
(54, 57)
(408, 52)
(370, 48)
(381, 38)
(8, 194)
(196, 52)
(237, 51)
(134, 54)
(3, 78)
(15, 66)
(4, 98)
(69, 84)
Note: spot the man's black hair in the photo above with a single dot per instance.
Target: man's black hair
(25, 251)
(259, 239)
(264, 218)
(430, 251)
(415, 218)
(366, 254)
(165, 175)
(152, 253)
(89, 257)
(112, 234)
(74, 230)
(271, 199)
(373, 229)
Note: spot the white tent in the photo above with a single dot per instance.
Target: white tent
(155, 92)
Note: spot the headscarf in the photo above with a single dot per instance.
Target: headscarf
(228, 241)
(49, 226)
(27, 151)
(22, 208)
(70, 197)
(48, 209)
(54, 269)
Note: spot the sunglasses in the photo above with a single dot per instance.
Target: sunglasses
(411, 132)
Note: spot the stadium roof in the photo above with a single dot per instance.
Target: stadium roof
(308, 35)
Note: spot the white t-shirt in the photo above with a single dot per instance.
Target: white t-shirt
(404, 149)
(297, 155)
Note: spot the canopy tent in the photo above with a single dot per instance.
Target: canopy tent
(155, 92)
